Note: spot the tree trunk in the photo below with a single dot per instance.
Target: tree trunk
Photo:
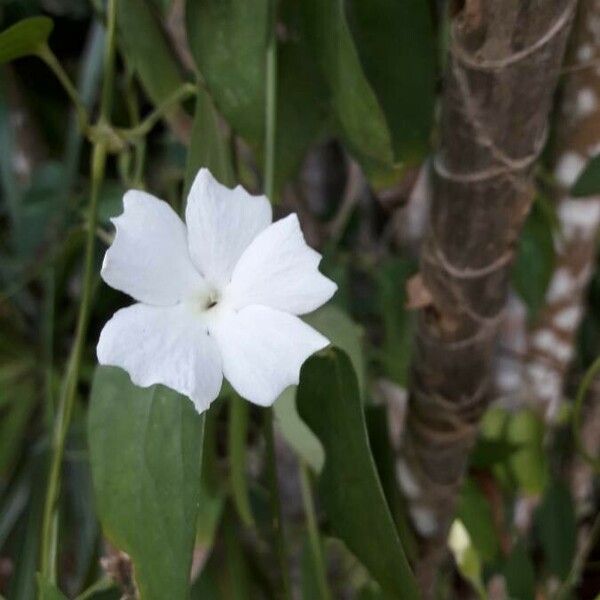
(503, 67)
(552, 340)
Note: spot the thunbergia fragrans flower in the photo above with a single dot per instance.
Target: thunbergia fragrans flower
(216, 296)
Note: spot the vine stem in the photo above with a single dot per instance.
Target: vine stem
(52, 63)
(69, 387)
(313, 532)
(271, 103)
(269, 187)
(275, 500)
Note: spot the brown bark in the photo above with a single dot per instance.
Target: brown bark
(552, 340)
(504, 63)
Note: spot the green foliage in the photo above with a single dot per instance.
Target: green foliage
(344, 333)
(528, 464)
(147, 50)
(398, 322)
(208, 146)
(588, 182)
(354, 103)
(48, 591)
(556, 529)
(521, 462)
(466, 556)
(395, 44)
(228, 41)
(238, 431)
(24, 38)
(519, 573)
(535, 258)
(329, 402)
(145, 450)
(475, 512)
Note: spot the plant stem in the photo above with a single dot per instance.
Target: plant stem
(313, 532)
(271, 104)
(269, 184)
(185, 91)
(52, 62)
(276, 503)
(69, 387)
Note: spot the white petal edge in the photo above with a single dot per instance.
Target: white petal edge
(263, 349)
(221, 223)
(280, 270)
(164, 345)
(149, 258)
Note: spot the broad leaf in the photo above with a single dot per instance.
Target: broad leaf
(147, 49)
(528, 465)
(465, 554)
(535, 258)
(145, 450)
(395, 44)
(557, 529)
(303, 111)
(588, 183)
(344, 333)
(475, 513)
(398, 322)
(227, 39)
(519, 574)
(209, 146)
(355, 105)
(24, 38)
(385, 461)
(329, 402)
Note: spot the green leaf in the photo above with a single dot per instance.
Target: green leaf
(24, 38)
(519, 574)
(491, 452)
(344, 333)
(295, 431)
(147, 50)
(475, 513)
(329, 402)
(238, 430)
(145, 451)
(528, 464)
(303, 110)
(466, 556)
(398, 322)
(354, 103)
(227, 39)
(385, 461)
(588, 183)
(396, 47)
(48, 591)
(209, 146)
(535, 259)
(556, 528)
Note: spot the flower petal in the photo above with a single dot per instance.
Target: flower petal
(221, 223)
(263, 350)
(164, 345)
(149, 258)
(280, 270)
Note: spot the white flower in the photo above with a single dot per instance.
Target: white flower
(216, 296)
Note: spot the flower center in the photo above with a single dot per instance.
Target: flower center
(211, 300)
